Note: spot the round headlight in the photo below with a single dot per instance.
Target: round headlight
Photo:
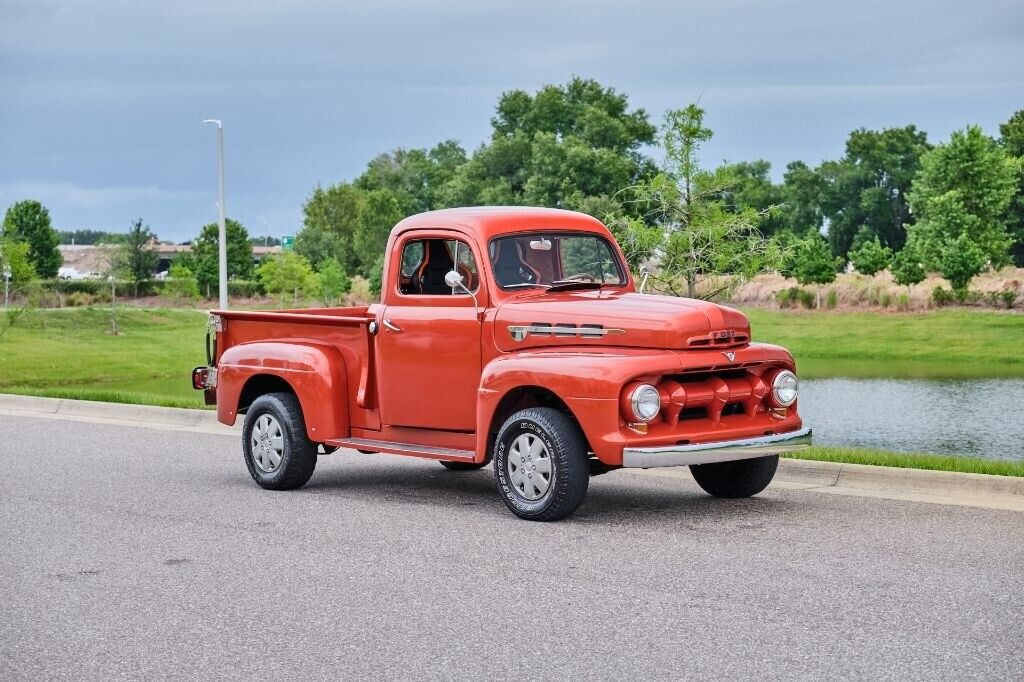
(785, 387)
(646, 402)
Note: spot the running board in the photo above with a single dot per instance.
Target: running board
(411, 449)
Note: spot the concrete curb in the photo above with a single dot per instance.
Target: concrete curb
(982, 490)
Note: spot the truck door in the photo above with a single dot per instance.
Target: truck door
(429, 356)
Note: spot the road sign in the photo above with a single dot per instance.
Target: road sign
(287, 242)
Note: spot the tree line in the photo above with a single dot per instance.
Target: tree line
(894, 201)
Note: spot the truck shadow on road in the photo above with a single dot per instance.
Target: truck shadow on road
(613, 498)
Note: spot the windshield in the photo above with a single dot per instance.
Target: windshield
(546, 259)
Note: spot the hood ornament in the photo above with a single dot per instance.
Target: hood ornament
(729, 355)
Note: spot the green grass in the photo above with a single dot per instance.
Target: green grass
(940, 344)
(911, 460)
(71, 354)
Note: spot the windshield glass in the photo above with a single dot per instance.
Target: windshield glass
(554, 258)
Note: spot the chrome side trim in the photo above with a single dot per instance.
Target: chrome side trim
(404, 448)
(722, 451)
(519, 332)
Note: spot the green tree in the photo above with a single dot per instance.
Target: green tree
(802, 190)
(702, 244)
(329, 225)
(288, 273)
(14, 255)
(377, 277)
(415, 177)
(871, 257)
(137, 256)
(556, 148)
(1012, 141)
(754, 189)
(869, 186)
(377, 216)
(907, 268)
(333, 282)
(961, 261)
(205, 259)
(181, 282)
(964, 187)
(29, 222)
(813, 263)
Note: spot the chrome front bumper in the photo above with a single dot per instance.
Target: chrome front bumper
(722, 451)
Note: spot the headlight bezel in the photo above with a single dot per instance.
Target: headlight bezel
(637, 398)
(788, 377)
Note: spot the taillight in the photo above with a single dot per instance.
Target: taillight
(204, 378)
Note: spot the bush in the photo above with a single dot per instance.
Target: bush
(903, 302)
(181, 283)
(886, 300)
(831, 299)
(1008, 298)
(786, 297)
(942, 296)
(805, 297)
(244, 288)
(77, 299)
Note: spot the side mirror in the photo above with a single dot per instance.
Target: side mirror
(456, 281)
(644, 274)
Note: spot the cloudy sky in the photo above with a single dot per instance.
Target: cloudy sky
(101, 101)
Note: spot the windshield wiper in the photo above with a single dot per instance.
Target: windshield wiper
(570, 284)
(520, 285)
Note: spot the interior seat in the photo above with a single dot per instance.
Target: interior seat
(510, 267)
(437, 262)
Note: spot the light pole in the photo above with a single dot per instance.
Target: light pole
(7, 284)
(222, 234)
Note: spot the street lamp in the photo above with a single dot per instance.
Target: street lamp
(7, 284)
(222, 234)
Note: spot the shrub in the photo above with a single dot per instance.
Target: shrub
(805, 297)
(181, 283)
(831, 299)
(903, 302)
(77, 299)
(886, 300)
(244, 288)
(942, 296)
(1008, 298)
(786, 297)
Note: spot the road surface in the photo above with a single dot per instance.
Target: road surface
(138, 552)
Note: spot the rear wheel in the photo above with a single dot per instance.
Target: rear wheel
(540, 463)
(742, 478)
(277, 451)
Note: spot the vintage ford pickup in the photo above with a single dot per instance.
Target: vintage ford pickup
(514, 335)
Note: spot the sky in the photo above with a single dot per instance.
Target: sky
(101, 102)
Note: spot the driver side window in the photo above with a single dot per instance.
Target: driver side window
(425, 262)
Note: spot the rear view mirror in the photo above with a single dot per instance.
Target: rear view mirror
(540, 244)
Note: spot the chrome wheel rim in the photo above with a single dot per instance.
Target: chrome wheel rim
(267, 444)
(529, 466)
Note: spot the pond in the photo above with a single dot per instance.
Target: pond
(975, 417)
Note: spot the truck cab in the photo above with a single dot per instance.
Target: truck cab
(512, 335)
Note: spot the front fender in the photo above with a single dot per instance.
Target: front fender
(587, 381)
(315, 372)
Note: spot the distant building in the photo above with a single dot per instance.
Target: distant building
(81, 262)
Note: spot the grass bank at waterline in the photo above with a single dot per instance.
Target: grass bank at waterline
(938, 344)
(907, 460)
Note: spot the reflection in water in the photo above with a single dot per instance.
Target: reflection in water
(973, 417)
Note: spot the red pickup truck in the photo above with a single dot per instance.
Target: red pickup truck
(514, 335)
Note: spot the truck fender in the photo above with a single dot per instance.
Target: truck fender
(314, 372)
(588, 384)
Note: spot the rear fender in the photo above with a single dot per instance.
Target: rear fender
(315, 373)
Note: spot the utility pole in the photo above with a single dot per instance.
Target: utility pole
(222, 236)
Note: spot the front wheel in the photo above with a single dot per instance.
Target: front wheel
(541, 466)
(278, 453)
(742, 478)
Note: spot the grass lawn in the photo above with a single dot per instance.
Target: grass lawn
(905, 460)
(939, 344)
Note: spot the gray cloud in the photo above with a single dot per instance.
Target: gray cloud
(110, 94)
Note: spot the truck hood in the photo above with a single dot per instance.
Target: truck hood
(615, 318)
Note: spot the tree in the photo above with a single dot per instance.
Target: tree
(137, 256)
(288, 273)
(961, 261)
(870, 184)
(377, 215)
(181, 282)
(15, 256)
(698, 238)
(85, 237)
(414, 177)
(964, 187)
(907, 269)
(1012, 141)
(329, 225)
(205, 258)
(871, 257)
(813, 263)
(556, 148)
(29, 222)
(802, 190)
(333, 282)
(754, 189)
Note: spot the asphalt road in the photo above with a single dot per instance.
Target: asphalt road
(144, 553)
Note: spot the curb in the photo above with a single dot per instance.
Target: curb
(1002, 492)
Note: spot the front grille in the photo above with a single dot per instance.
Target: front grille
(713, 395)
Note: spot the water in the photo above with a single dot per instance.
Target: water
(972, 417)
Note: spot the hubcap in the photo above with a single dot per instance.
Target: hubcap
(529, 466)
(267, 444)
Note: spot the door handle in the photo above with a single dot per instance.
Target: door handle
(390, 325)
